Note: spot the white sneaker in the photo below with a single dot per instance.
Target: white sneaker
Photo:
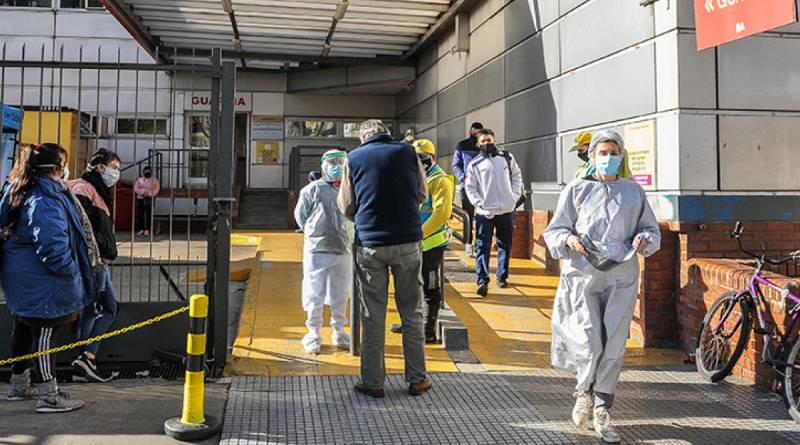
(582, 409)
(312, 343)
(604, 427)
(470, 251)
(341, 340)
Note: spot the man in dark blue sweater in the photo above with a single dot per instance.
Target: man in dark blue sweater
(465, 152)
(382, 188)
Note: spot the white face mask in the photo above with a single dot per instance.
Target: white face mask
(110, 176)
(66, 173)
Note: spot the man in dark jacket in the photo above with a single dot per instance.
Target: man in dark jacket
(381, 190)
(465, 152)
(94, 190)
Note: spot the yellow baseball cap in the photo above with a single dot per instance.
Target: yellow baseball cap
(425, 146)
(583, 138)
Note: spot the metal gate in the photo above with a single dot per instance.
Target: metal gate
(144, 110)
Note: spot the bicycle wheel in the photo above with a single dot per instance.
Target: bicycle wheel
(717, 352)
(791, 383)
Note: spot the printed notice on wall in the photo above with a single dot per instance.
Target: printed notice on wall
(267, 152)
(640, 145)
(266, 128)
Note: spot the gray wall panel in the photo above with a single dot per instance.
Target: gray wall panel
(486, 85)
(530, 114)
(755, 150)
(533, 62)
(450, 134)
(426, 114)
(618, 88)
(537, 159)
(568, 5)
(452, 101)
(758, 73)
(587, 36)
(309, 80)
(521, 22)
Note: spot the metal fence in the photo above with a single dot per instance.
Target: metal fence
(139, 109)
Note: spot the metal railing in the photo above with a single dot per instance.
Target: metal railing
(56, 85)
(465, 236)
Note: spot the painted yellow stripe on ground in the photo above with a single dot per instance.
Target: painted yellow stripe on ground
(510, 329)
(273, 323)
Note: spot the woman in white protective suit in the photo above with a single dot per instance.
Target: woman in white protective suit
(327, 260)
(601, 223)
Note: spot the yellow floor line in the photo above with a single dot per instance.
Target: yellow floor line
(272, 323)
(510, 329)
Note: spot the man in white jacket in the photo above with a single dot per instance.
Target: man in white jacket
(494, 186)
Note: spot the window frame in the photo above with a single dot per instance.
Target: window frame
(337, 124)
(133, 121)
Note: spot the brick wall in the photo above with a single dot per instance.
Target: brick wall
(654, 319)
(539, 219)
(704, 282)
(522, 234)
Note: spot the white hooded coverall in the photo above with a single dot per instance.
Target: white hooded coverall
(327, 260)
(592, 310)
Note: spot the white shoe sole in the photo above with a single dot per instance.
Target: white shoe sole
(90, 376)
(19, 398)
(57, 410)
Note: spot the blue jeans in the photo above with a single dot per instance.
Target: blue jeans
(96, 319)
(485, 228)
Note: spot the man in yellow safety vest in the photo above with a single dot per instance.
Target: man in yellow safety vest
(434, 214)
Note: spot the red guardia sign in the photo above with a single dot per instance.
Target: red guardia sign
(723, 21)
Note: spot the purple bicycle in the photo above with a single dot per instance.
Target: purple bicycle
(727, 325)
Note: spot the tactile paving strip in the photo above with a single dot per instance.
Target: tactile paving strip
(654, 405)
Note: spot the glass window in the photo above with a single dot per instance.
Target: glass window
(198, 163)
(350, 129)
(200, 131)
(311, 129)
(85, 4)
(142, 126)
(27, 3)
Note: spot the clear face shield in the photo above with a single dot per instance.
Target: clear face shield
(333, 168)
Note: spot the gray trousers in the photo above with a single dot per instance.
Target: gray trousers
(373, 265)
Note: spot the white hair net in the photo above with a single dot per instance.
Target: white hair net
(606, 136)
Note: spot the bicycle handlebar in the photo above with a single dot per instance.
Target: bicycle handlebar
(737, 235)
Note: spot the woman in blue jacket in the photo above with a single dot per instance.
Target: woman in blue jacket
(46, 267)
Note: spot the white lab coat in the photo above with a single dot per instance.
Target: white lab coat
(327, 258)
(493, 184)
(592, 310)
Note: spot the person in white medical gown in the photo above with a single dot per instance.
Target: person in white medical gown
(327, 257)
(599, 226)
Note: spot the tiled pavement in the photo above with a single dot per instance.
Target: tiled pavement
(511, 397)
(655, 405)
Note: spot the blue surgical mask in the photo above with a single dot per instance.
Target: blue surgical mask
(336, 171)
(110, 176)
(608, 165)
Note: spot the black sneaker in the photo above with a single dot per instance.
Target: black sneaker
(397, 328)
(483, 289)
(86, 371)
(502, 284)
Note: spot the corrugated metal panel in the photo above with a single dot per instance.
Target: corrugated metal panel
(367, 29)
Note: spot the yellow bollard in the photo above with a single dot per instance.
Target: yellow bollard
(193, 424)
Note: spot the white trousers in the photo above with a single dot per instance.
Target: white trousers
(327, 280)
(591, 318)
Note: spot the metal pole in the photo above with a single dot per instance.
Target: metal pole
(223, 202)
(211, 184)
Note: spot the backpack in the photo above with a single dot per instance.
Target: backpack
(507, 156)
